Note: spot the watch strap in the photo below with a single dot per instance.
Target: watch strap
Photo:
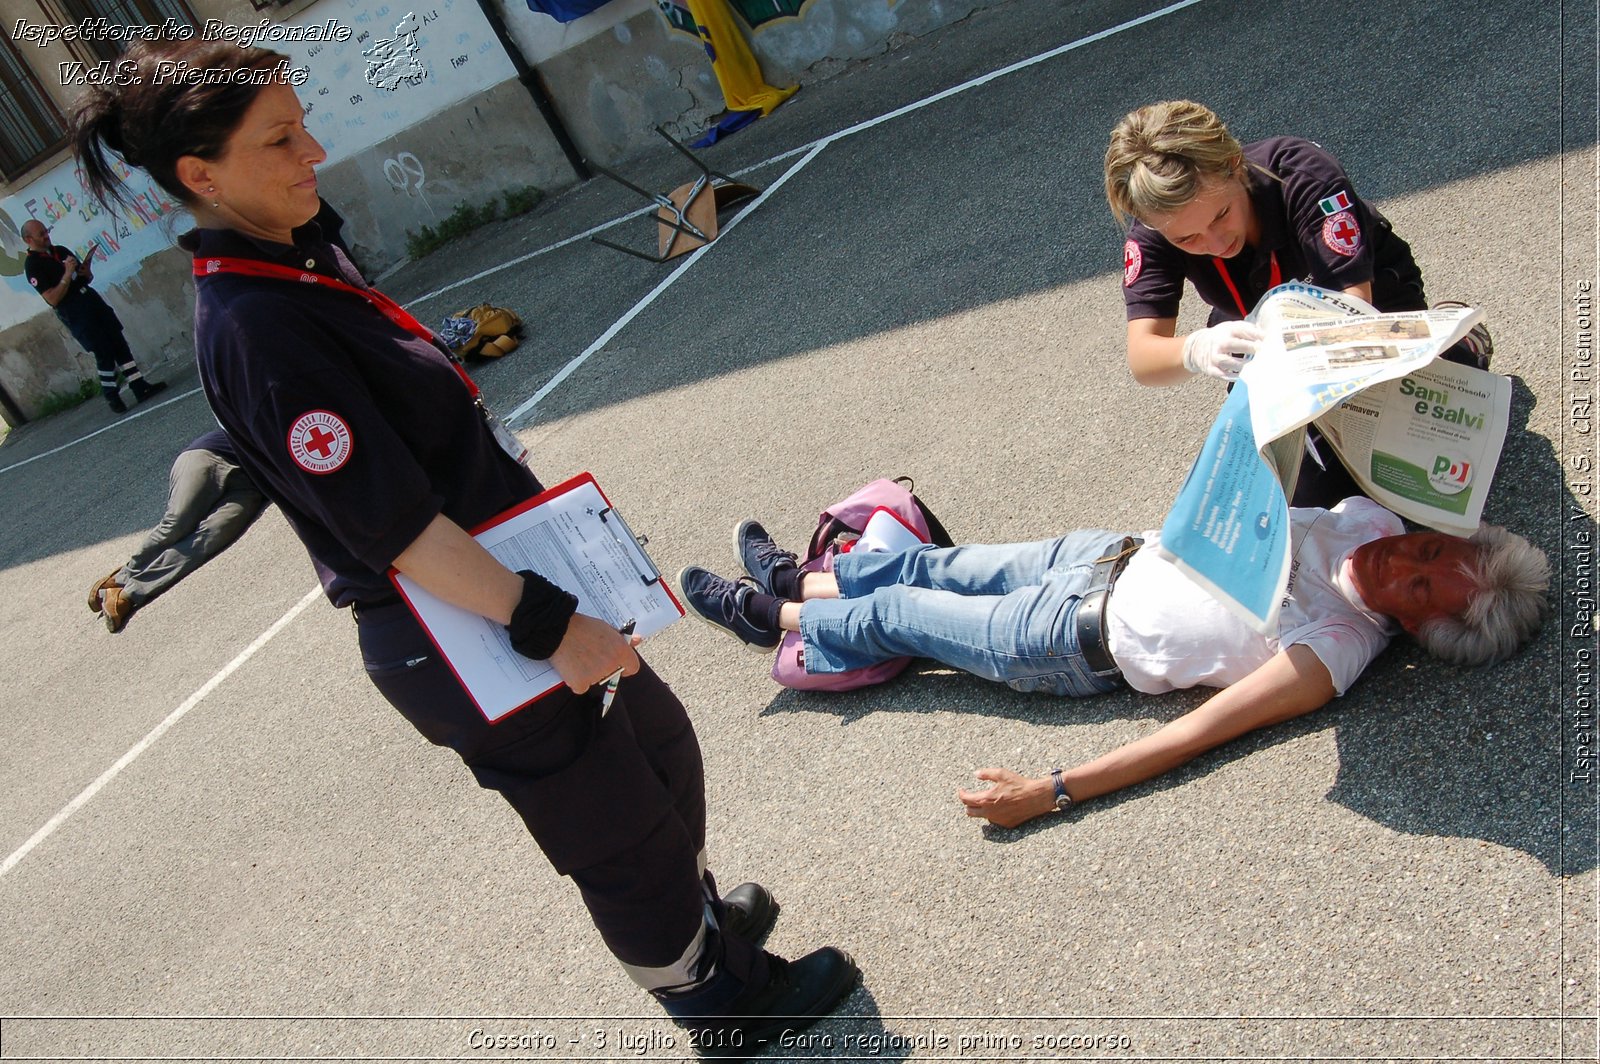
(1063, 799)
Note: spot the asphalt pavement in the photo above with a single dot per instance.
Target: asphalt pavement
(218, 842)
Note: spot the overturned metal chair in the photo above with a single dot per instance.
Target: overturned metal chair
(688, 215)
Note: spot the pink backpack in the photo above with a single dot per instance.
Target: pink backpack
(838, 529)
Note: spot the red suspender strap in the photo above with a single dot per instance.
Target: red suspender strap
(1244, 311)
(388, 307)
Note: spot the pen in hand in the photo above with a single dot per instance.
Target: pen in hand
(615, 680)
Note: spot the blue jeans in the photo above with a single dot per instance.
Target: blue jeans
(1001, 612)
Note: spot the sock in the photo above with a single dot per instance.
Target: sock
(763, 609)
(786, 582)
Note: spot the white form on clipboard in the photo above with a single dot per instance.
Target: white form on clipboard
(573, 537)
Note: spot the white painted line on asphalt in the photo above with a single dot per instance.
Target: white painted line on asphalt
(617, 326)
(602, 227)
(155, 733)
(520, 259)
(122, 419)
(1021, 64)
(917, 105)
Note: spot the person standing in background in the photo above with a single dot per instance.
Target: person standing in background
(58, 275)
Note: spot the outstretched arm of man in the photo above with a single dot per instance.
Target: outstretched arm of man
(1293, 683)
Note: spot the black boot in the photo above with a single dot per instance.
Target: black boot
(114, 401)
(728, 1020)
(749, 911)
(143, 389)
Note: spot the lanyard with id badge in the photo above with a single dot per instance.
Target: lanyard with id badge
(391, 310)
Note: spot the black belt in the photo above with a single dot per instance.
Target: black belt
(1090, 623)
(361, 606)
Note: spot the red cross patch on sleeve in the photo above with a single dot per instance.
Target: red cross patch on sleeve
(1132, 262)
(1341, 233)
(320, 442)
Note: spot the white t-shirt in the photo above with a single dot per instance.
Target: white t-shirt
(1167, 633)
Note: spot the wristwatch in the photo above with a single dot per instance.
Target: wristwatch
(1063, 799)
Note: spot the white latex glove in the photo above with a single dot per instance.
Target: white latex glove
(1222, 350)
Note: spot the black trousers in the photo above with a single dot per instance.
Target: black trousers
(95, 326)
(617, 803)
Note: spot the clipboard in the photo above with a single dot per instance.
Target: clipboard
(571, 535)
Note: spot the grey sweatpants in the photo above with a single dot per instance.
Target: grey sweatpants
(210, 502)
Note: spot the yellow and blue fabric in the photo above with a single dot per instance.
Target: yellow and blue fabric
(737, 72)
(564, 10)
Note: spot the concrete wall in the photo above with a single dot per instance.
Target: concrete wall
(613, 76)
(38, 358)
(470, 154)
(612, 90)
(830, 33)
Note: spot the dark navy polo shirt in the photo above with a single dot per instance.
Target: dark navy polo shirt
(45, 270)
(1310, 218)
(359, 431)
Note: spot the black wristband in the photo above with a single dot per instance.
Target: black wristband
(539, 622)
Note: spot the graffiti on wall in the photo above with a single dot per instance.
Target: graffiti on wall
(405, 173)
(400, 64)
(374, 69)
(64, 203)
(62, 200)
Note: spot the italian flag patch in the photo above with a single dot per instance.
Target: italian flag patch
(1339, 201)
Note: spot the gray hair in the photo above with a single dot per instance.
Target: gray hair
(1511, 577)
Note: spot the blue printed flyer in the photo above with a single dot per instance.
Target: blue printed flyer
(1228, 529)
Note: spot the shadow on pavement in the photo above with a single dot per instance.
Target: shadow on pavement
(990, 195)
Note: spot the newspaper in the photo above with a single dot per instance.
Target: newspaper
(1420, 436)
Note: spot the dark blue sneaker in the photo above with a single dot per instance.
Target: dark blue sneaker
(723, 603)
(759, 554)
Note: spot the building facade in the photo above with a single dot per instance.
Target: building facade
(419, 105)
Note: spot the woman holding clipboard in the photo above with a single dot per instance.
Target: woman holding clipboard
(371, 440)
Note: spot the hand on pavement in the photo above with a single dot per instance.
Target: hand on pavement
(1012, 800)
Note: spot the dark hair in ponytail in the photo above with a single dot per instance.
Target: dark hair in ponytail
(155, 117)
